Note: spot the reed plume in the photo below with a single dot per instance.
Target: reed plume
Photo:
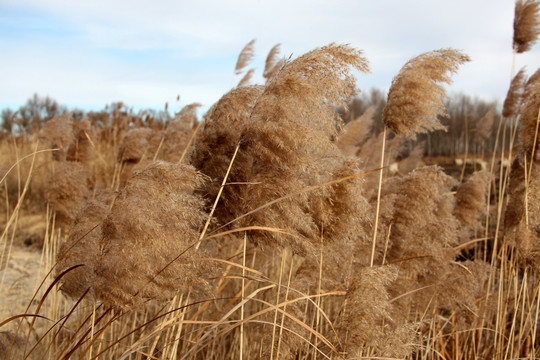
(148, 239)
(58, 133)
(366, 325)
(82, 149)
(412, 160)
(355, 132)
(12, 346)
(143, 247)
(134, 145)
(529, 139)
(471, 200)
(514, 96)
(216, 142)
(526, 24)
(245, 56)
(415, 98)
(272, 63)
(424, 232)
(83, 247)
(287, 144)
(246, 79)
(67, 190)
(175, 140)
(484, 126)
(521, 220)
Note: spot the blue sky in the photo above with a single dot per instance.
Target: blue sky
(87, 54)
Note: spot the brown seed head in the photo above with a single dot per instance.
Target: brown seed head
(526, 24)
(415, 98)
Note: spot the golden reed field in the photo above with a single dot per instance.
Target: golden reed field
(280, 225)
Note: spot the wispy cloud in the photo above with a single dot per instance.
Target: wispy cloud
(90, 53)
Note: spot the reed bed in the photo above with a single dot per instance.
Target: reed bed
(270, 229)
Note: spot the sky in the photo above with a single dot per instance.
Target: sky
(87, 54)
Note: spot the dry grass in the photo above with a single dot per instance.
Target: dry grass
(269, 230)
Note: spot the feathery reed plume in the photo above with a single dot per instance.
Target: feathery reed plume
(411, 162)
(514, 211)
(526, 24)
(529, 137)
(355, 132)
(484, 126)
(420, 195)
(461, 288)
(83, 247)
(67, 190)
(82, 149)
(171, 142)
(367, 324)
(370, 155)
(272, 63)
(424, 232)
(188, 115)
(147, 250)
(533, 80)
(245, 56)
(521, 218)
(344, 220)
(514, 96)
(415, 98)
(134, 145)
(287, 144)
(344, 215)
(471, 199)
(217, 139)
(12, 346)
(58, 132)
(246, 79)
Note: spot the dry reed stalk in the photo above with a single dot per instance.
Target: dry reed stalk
(526, 25)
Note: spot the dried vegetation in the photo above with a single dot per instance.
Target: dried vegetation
(269, 229)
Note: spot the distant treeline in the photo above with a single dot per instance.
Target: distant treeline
(472, 123)
(38, 110)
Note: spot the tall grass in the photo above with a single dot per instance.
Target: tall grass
(271, 230)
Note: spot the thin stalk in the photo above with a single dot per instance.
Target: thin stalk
(218, 197)
(243, 297)
(378, 201)
(281, 267)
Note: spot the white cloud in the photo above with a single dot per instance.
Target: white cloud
(147, 52)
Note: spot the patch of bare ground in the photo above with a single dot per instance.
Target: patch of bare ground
(20, 265)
